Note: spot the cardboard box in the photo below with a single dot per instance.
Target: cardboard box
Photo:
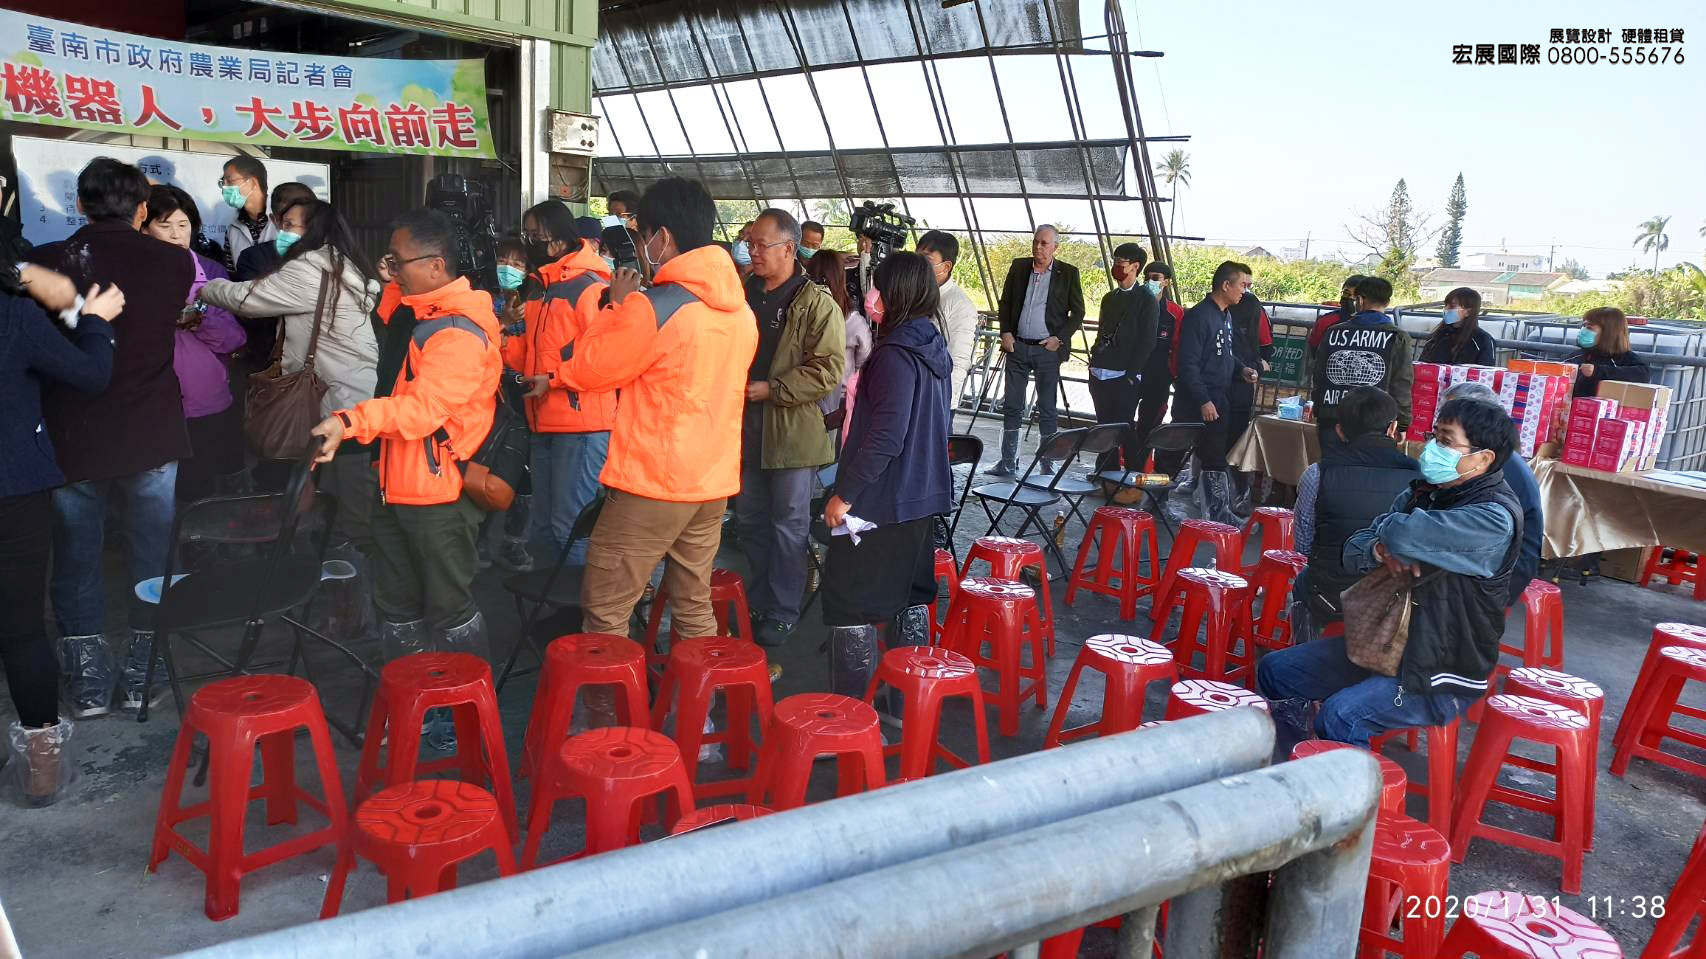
(1578, 456)
(1654, 401)
(1617, 447)
(1567, 370)
(1470, 373)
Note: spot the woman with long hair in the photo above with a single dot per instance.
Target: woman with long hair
(206, 337)
(319, 249)
(1458, 339)
(828, 269)
(893, 473)
(1605, 354)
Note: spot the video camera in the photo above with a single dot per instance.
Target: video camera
(464, 201)
(880, 224)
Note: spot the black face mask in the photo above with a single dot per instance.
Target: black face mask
(538, 253)
(1348, 306)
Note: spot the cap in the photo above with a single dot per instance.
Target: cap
(1130, 252)
(588, 227)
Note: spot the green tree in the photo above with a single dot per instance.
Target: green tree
(1175, 169)
(1653, 238)
(1394, 235)
(1451, 240)
(1571, 269)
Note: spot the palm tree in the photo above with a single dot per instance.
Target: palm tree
(1175, 168)
(1653, 238)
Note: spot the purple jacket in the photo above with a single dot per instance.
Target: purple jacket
(199, 354)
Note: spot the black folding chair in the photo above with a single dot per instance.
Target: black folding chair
(270, 547)
(964, 449)
(1031, 501)
(1178, 438)
(1073, 489)
(557, 587)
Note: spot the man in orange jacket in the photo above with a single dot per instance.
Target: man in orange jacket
(679, 352)
(437, 415)
(571, 429)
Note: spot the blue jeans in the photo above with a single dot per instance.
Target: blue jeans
(1356, 705)
(79, 597)
(565, 468)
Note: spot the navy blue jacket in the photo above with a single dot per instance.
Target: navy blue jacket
(894, 464)
(1521, 481)
(33, 352)
(1206, 359)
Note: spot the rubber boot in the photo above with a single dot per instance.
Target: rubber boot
(397, 640)
(86, 675)
(1217, 497)
(131, 691)
(45, 768)
(852, 659)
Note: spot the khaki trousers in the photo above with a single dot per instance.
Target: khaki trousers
(633, 535)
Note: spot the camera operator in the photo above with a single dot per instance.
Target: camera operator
(1042, 306)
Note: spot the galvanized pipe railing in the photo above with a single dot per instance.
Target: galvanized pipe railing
(590, 902)
(1310, 820)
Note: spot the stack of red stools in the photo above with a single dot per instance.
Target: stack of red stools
(1128, 665)
(1677, 566)
(1225, 541)
(1277, 527)
(1008, 558)
(1521, 717)
(717, 815)
(237, 716)
(1271, 585)
(1119, 535)
(728, 604)
(1441, 783)
(571, 664)
(946, 569)
(810, 725)
(1509, 925)
(1687, 900)
(1001, 614)
(1649, 717)
(925, 676)
(698, 669)
(417, 834)
(614, 769)
(1214, 621)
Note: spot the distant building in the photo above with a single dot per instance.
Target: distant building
(1573, 287)
(1519, 262)
(1497, 287)
(1257, 251)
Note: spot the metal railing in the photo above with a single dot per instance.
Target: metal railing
(1022, 849)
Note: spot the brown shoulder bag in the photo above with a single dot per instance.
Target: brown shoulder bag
(1377, 620)
(281, 408)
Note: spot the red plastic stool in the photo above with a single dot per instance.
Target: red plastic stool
(1227, 542)
(1213, 620)
(925, 676)
(1394, 785)
(810, 725)
(1119, 535)
(698, 669)
(1565, 690)
(946, 569)
(728, 604)
(573, 662)
(1509, 925)
(1687, 900)
(1275, 573)
(1542, 627)
(1196, 697)
(417, 834)
(1276, 525)
(1677, 566)
(1664, 634)
(1649, 718)
(1003, 614)
(238, 715)
(614, 769)
(717, 815)
(1128, 665)
(1409, 876)
(1535, 720)
(411, 686)
(1008, 558)
(1441, 784)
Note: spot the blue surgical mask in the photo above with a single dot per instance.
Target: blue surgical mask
(284, 241)
(1452, 316)
(1586, 338)
(1154, 287)
(233, 196)
(1439, 463)
(742, 255)
(510, 277)
(806, 252)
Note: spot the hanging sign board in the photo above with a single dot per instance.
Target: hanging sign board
(66, 74)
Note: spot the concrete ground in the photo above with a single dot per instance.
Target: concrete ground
(74, 882)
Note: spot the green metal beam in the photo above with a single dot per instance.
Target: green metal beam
(570, 22)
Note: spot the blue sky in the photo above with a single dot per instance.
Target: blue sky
(1303, 115)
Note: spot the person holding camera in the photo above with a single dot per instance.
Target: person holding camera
(1042, 306)
(571, 429)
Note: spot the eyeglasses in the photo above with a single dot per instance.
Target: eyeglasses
(1434, 437)
(393, 262)
(758, 247)
(535, 237)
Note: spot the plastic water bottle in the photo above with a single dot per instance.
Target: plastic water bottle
(1060, 527)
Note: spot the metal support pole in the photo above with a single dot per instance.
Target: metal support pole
(1318, 898)
(581, 904)
(746, 44)
(1137, 934)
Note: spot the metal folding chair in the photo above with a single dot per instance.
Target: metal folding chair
(964, 449)
(558, 587)
(1031, 501)
(1166, 438)
(1073, 489)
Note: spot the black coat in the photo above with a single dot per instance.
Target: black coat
(1624, 368)
(1125, 331)
(137, 423)
(1359, 481)
(1065, 311)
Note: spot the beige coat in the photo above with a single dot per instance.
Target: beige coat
(348, 352)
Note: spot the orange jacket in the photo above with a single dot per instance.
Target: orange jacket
(679, 352)
(448, 382)
(573, 285)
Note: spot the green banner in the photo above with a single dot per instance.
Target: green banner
(1288, 360)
